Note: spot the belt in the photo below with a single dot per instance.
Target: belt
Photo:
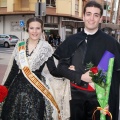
(89, 88)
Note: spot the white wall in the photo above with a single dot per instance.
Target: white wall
(10, 25)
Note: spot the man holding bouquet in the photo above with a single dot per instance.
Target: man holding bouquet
(79, 50)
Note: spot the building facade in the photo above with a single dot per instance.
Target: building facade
(63, 17)
(12, 11)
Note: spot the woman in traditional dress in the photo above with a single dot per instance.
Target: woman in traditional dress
(25, 100)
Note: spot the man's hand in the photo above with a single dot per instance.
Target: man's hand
(85, 77)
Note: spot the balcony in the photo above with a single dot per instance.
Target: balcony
(3, 10)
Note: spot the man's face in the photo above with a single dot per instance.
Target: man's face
(92, 18)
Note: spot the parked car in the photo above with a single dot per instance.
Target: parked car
(8, 40)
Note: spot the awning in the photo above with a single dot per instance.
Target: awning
(80, 24)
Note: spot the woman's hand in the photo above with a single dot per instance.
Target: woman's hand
(85, 77)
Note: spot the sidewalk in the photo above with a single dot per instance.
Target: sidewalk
(2, 71)
(4, 60)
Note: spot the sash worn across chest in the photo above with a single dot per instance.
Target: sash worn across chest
(33, 79)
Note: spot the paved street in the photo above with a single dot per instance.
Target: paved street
(5, 54)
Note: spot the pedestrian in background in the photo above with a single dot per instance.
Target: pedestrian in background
(51, 40)
(80, 49)
(58, 39)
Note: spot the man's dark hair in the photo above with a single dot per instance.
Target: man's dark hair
(93, 4)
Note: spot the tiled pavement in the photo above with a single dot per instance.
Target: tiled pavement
(2, 71)
(4, 59)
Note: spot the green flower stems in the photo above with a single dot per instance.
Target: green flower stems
(103, 94)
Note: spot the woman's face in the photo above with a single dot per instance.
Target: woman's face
(34, 30)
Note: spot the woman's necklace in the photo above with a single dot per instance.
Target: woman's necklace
(27, 51)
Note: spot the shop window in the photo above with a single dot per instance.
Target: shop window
(68, 31)
(106, 7)
(76, 7)
(51, 19)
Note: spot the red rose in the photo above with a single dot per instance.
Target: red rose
(94, 70)
(3, 93)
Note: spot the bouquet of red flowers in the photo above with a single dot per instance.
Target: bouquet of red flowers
(3, 93)
(98, 76)
(102, 76)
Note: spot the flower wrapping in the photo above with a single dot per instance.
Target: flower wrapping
(106, 65)
(3, 93)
